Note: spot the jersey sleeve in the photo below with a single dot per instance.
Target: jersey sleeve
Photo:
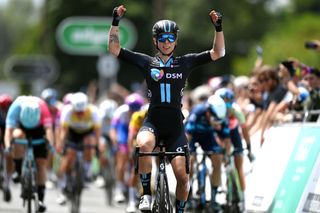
(12, 119)
(193, 60)
(138, 59)
(65, 116)
(96, 119)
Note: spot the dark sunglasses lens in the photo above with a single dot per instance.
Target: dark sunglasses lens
(162, 38)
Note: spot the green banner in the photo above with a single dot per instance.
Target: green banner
(298, 171)
(89, 35)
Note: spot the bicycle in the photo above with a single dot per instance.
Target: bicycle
(234, 195)
(76, 177)
(162, 202)
(29, 193)
(199, 179)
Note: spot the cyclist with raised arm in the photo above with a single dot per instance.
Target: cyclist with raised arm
(80, 123)
(205, 119)
(29, 117)
(165, 76)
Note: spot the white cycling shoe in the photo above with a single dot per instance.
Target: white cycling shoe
(131, 207)
(145, 203)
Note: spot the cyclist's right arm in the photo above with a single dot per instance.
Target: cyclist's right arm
(114, 42)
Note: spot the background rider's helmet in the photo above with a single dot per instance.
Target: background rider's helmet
(108, 107)
(227, 95)
(134, 101)
(165, 26)
(79, 101)
(30, 112)
(217, 107)
(67, 98)
(5, 102)
(49, 95)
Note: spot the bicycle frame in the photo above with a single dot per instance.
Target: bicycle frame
(29, 173)
(200, 175)
(162, 202)
(75, 178)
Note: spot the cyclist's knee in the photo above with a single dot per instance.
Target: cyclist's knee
(146, 144)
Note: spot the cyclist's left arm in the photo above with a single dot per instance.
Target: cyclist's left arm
(218, 49)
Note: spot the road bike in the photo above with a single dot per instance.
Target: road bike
(162, 202)
(29, 193)
(76, 177)
(200, 179)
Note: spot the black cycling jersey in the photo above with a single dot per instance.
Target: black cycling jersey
(165, 81)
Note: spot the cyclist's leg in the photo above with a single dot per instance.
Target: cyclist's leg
(13, 163)
(121, 168)
(238, 151)
(41, 154)
(146, 141)
(178, 164)
(18, 153)
(89, 141)
(67, 159)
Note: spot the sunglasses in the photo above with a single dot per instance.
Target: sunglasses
(163, 37)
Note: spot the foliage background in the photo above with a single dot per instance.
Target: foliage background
(280, 30)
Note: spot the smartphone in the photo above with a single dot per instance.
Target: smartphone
(310, 45)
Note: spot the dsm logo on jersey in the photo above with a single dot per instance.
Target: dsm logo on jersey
(156, 74)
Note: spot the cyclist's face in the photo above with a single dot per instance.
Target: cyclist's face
(166, 45)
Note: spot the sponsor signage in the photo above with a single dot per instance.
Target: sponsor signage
(89, 35)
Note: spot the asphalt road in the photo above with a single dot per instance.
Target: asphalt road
(93, 201)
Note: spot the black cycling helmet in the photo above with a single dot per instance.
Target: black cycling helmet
(165, 26)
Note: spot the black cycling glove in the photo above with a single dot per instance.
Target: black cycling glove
(218, 23)
(116, 17)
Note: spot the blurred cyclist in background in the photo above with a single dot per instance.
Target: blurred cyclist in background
(50, 96)
(135, 124)
(201, 126)
(29, 117)
(80, 123)
(238, 131)
(106, 110)
(119, 137)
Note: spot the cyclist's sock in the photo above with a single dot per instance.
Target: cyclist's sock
(62, 182)
(41, 190)
(132, 194)
(214, 190)
(87, 168)
(145, 181)
(18, 165)
(180, 206)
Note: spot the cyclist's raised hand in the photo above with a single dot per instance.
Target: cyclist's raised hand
(216, 19)
(117, 14)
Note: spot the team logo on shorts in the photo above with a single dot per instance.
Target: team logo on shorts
(156, 74)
